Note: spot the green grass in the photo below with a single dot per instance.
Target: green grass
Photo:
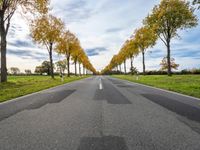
(22, 85)
(185, 84)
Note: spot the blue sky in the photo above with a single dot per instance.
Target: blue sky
(102, 27)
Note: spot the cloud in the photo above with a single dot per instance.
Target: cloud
(20, 43)
(92, 53)
(73, 10)
(190, 53)
(95, 51)
(27, 54)
(111, 30)
(157, 53)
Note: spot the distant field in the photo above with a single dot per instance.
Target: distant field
(23, 85)
(185, 84)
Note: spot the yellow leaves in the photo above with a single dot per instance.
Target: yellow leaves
(69, 45)
(164, 22)
(86, 63)
(66, 43)
(171, 15)
(33, 6)
(77, 52)
(129, 49)
(42, 6)
(46, 29)
(164, 64)
(168, 17)
(145, 37)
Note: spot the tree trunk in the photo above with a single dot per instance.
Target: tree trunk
(86, 72)
(124, 66)
(3, 59)
(168, 59)
(3, 69)
(75, 67)
(51, 60)
(131, 65)
(68, 65)
(83, 70)
(143, 61)
(120, 67)
(79, 69)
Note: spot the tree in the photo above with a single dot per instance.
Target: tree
(46, 65)
(128, 50)
(61, 66)
(7, 10)
(167, 18)
(75, 55)
(145, 37)
(75, 49)
(28, 71)
(66, 44)
(87, 65)
(80, 60)
(122, 59)
(124, 66)
(114, 62)
(133, 70)
(164, 65)
(44, 68)
(39, 70)
(46, 30)
(124, 54)
(14, 70)
(132, 51)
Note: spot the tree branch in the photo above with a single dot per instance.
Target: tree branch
(47, 46)
(162, 39)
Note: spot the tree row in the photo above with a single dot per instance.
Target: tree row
(46, 30)
(163, 23)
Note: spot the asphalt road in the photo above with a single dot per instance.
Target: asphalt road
(101, 113)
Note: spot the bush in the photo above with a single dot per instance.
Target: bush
(159, 72)
(192, 71)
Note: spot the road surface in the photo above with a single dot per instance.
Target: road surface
(101, 113)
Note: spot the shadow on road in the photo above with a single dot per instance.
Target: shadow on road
(35, 101)
(110, 94)
(103, 143)
(182, 109)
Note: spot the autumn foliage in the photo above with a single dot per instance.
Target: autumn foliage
(164, 22)
(7, 10)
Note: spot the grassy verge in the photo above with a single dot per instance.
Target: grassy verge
(23, 85)
(185, 84)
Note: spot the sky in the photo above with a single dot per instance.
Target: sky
(102, 27)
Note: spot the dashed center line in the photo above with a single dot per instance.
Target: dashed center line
(100, 85)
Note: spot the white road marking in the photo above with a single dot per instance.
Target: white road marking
(100, 85)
